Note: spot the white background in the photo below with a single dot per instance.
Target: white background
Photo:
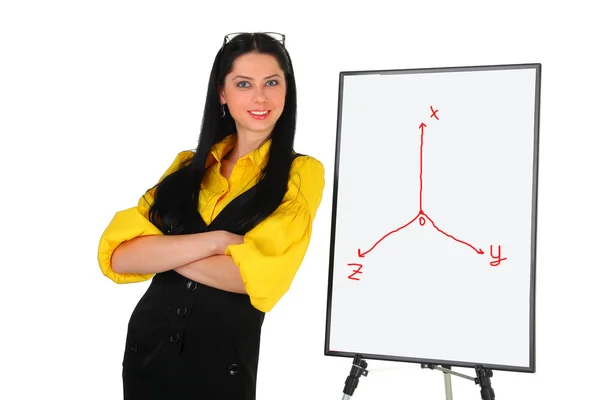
(477, 177)
(96, 98)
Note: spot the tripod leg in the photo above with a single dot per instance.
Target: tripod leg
(448, 383)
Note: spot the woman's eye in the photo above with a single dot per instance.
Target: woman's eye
(272, 83)
(243, 84)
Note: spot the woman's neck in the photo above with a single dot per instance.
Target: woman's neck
(245, 144)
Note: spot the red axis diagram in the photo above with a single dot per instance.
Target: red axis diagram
(422, 218)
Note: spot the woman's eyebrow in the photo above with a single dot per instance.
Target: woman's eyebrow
(251, 79)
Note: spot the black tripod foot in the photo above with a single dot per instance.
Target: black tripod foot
(483, 380)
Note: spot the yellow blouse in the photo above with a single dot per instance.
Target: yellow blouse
(271, 253)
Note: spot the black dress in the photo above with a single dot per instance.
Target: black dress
(187, 341)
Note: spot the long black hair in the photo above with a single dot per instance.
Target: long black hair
(176, 197)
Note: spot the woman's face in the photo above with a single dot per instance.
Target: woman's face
(254, 92)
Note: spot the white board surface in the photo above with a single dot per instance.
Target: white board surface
(433, 222)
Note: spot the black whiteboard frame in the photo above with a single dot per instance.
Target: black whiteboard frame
(531, 368)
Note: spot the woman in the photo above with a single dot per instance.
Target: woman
(221, 235)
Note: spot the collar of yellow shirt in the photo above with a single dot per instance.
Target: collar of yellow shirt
(257, 157)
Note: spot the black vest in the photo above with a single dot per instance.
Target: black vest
(186, 340)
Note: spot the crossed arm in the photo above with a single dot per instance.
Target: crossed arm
(217, 271)
(199, 257)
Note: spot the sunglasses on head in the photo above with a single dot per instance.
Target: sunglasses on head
(280, 37)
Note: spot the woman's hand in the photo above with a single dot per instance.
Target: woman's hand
(222, 239)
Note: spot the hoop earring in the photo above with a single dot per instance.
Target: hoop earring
(222, 110)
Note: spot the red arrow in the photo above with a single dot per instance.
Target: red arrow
(478, 251)
(422, 127)
(361, 254)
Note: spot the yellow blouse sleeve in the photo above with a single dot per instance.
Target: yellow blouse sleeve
(129, 224)
(273, 251)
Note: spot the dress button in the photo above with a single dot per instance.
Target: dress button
(182, 311)
(133, 346)
(233, 369)
(191, 285)
(174, 338)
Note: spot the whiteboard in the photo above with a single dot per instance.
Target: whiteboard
(432, 255)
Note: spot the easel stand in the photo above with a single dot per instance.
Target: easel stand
(482, 379)
(358, 369)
